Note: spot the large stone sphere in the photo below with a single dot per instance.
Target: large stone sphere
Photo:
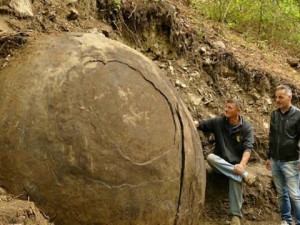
(93, 132)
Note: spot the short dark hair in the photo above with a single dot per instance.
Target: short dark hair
(235, 101)
(287, 89)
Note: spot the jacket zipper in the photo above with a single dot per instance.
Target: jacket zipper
(279, 136)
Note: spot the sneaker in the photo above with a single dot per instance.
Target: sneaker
(249, 178)
(235, 220)
(283, 222)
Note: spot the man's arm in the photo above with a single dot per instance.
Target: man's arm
(268, 162)
(207, 126)
(240, 168)
(248, 142)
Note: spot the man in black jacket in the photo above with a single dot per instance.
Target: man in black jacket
(283, 154)
(234, 141)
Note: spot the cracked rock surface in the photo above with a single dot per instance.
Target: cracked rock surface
(94, 134)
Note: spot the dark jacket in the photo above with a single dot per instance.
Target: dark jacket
(284, 135)
(231, 142)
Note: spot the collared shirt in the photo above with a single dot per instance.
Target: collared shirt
(231, 141)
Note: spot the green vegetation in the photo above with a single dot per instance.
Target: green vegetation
(114, 4)
(117, 3)
(276, 22)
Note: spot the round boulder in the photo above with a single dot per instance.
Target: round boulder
(93, 132)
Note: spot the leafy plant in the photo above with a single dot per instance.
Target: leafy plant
(274, 21)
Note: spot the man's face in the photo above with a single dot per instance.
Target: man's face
(231, 111)
(283, 100)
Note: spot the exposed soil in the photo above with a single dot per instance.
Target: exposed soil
(206, 63)
(14, 211)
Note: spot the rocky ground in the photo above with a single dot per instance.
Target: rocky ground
(14, 211)
(206, 63)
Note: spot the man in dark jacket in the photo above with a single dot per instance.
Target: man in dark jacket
(283, 154)
(234, 141)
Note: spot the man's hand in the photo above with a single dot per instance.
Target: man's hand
(239, 168)
(196, 123)
(268, 164)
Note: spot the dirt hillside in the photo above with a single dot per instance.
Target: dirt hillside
(205, 62)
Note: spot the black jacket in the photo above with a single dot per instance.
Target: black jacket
(231, 142)
(284, 135)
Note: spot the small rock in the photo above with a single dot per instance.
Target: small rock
(219, 44)
(94, 30)
(196, 100)
(184, 85)
(67, 2)
(195, 74)
(266, 126)
(22, 7)
(293, 62)
(178, 83)
(248, 110)
(203, 50)
(162, 65)
(105, 32)
(207, 62)
(73, 15)
(254, 95)
(2, 191)
(46, 2)
(269, 101)
(185, 68)
(212, 115)
(171, 68)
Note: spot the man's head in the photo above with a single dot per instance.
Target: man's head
(283, 97)
(232, 108)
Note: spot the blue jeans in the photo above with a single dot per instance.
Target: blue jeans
(235, 182)
(286, 180)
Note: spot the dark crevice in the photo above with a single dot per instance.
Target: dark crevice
(182, 167)
(98, 5)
